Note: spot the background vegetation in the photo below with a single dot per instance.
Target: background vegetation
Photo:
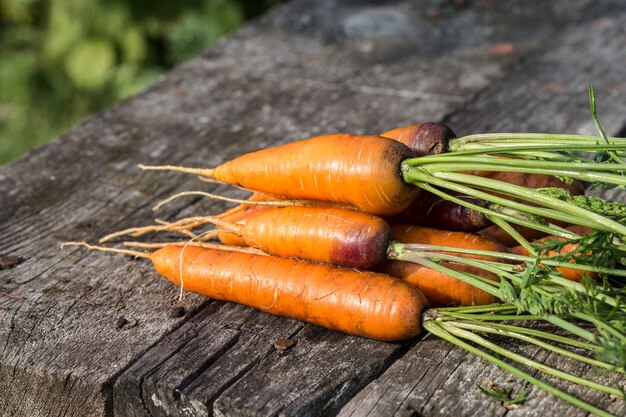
(61, 60)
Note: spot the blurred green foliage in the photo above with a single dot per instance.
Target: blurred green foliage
(61, 60)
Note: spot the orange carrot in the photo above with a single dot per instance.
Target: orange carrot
(238, 217)
(424, 138)
(432, 210)
(366, 304)
(569, 273)
(240, 214)
(407, 233)
(338, 236)
(359, 303)
(359, 170)
(243, 212)
(440, 289)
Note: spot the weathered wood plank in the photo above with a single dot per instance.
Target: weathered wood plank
(194, 386)
(420, 382)
(320, 374)
(223, 340)
(308, 68)
(546, 94)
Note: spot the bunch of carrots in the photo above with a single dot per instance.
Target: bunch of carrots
(414, 229)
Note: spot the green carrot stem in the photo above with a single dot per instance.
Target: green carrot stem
(433, 327)
(537, 197)
(440, 248)
(511, 145)
(570, 327)
(495, 317)
(594, 113)
(529, 362)
(546, 335)
(551, 227)
(541, 138)
(563, 152)
(492, 163)
(546, 139)
(589, 176)
(488, 328)
(513, 233)
(514, 257)
(526, 150)
(583, 217)
(489, 287)
(489, 308)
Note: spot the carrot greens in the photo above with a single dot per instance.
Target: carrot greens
(534, 286)
(503, 203)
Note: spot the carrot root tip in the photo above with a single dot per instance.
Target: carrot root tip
(89, 246)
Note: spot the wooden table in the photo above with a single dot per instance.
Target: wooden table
(92, 334)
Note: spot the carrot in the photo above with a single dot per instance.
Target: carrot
(360, 170)
(240, 214)
(338, 236)
(358, 240)
(243, 212)
(408, 233)
(424, 138)
(333, 235)
(441, 289)
(569, 273)
(365, 304)
(359, 303)
(431, 210)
